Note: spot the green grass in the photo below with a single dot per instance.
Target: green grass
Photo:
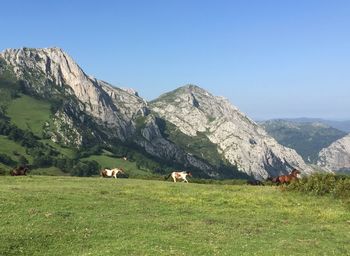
(68, 152)
(8, 147)
(93, 216)
(28, 113)
(112, 162)
(49, 171)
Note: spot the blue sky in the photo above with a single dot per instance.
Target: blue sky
(271, 59)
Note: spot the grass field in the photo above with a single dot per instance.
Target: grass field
(93, 216)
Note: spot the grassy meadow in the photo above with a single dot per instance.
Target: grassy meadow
(32, 118)
(43, 215)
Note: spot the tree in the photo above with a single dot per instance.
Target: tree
(22, 160)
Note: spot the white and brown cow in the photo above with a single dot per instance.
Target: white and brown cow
(105, 173)
(179, 176)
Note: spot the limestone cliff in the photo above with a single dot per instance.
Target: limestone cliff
(239, 139)
(336, 157)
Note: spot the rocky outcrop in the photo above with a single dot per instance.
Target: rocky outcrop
(336, 157)
(154, 143)
(239, 139)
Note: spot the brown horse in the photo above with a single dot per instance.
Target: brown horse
(21, 170)
(286, 179)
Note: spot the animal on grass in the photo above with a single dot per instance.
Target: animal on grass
(254, 182)
(177, 175)
(18, 171)
(286, 179)
(272, 179)
(105, 173)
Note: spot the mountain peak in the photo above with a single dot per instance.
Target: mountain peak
(30, 51)
(191, 88)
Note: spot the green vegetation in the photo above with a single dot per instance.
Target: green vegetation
(337, 186)
(131, 168)
(66, 151)
(24, 114)
(28, 113)
(93, 216)
(13, 149)
(49, 171)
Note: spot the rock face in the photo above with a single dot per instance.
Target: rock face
(240, 140)
(336, 157)
(107, 104)
(192, 113)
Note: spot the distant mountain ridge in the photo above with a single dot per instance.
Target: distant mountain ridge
(340, 125)
(188, 127)
(307, 138)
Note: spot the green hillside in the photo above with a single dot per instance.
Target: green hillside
(93, 216)
(131, 168)
(22, 123)
(29, 113)
(26, 121)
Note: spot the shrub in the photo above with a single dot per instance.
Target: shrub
(86, 169)
(323, 184)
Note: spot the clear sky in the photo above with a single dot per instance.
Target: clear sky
(271, 59)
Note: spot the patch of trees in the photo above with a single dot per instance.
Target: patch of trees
(23, 137)
(7, 160)
(86, 168)
(44, 155)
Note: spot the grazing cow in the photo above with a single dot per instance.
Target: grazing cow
(21, 170)
(105, 173)
(179, 176)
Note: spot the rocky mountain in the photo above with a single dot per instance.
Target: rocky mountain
(50, 72)
(307, 138)
(336, 157)
(239, 140)
(188, 127)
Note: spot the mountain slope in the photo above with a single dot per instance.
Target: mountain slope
(306, 138)
(51, 72)
(187, 129)
(336, 157)
(239, 140)
(87, 112)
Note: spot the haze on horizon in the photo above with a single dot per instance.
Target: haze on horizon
(271, 59)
